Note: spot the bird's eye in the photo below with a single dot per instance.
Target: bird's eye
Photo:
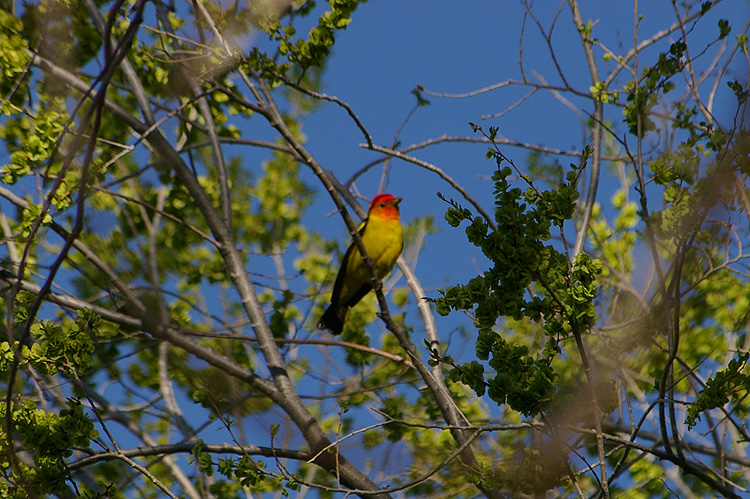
(382, 205)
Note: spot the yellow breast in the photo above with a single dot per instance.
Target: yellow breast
(384, 240)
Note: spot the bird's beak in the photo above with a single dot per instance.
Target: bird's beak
(396, 201)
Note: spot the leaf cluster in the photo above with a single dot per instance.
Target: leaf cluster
(241, 474)
(301, 53)
(643, 94)
(48, 437)
(733, 382)
(529, 277)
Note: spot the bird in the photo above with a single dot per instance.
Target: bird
(383, 239)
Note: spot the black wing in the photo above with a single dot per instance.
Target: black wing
(336, 295)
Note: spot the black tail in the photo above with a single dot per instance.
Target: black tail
(333, 319)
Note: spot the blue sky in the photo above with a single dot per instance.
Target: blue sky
(392, 46)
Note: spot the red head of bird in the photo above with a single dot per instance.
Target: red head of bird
(384, 206)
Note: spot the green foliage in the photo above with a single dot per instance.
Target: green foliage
(48, 437)
(303, 54)
(739, 91)
(643, 94)
(276, 203)
(730, 383)
(68, 348)
(14, 62)
(521, 260)
(38, 140)
(244, 474)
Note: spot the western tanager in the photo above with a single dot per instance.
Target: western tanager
(383, 238)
